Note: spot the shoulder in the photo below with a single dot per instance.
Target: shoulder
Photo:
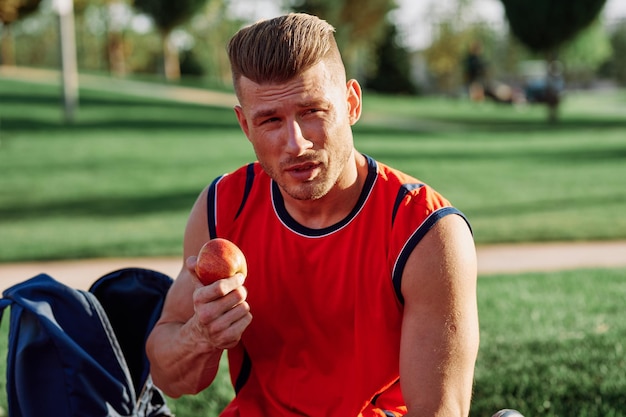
(444, 259)
(412, 197)
(230, 188)
(239, 176)
(407, 186)
(422, 220)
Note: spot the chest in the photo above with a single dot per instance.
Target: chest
(338, 284)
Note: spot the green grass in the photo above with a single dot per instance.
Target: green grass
(517, 177)
(552, 345)
(120, 181)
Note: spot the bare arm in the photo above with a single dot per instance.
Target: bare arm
(440, 334)
(198, 322)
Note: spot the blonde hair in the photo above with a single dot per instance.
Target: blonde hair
(278, 49)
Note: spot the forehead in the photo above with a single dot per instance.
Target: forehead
(315, 83)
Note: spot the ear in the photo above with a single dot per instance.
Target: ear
(241, 118)
(354, 100)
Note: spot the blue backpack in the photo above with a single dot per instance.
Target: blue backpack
(75, 353)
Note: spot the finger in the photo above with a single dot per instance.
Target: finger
(219, 289)
(209, 306)
(221, 322)
(226, 331)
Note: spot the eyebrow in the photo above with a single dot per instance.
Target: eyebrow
(263, 113)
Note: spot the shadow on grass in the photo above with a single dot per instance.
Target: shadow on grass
(26, 108)
(43, 112)
(115, 101)
(24, 124)
(560, 155)
(494, 211)
(101, 206)
(431, 125)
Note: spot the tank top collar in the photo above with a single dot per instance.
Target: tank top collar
(289, 222)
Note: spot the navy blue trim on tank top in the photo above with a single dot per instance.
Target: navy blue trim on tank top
(210, 208)
(244, 372)
(210, 200)
(373, 401)
(402, 192)
(290, 222)
(414, 240)
(246, 191)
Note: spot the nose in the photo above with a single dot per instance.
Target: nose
(297, 144)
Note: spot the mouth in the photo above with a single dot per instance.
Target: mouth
(304, 171)
(307, 166)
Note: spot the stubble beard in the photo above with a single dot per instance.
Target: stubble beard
(322, 184)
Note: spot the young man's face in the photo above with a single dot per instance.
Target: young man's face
(301, 129)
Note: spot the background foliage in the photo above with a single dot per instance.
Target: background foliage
(544, 25)
(113, 36)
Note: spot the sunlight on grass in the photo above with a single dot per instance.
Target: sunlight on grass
(552, 345)
(517, 177)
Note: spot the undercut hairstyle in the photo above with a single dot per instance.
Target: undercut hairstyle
(276, 50)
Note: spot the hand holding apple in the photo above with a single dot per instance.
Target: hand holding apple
(219, 258)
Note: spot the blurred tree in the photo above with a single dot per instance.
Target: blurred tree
(583, 55)
(545, 25)
(115, 45)
(444, 56)
(10, 11)
(393, 71)
(167, 15)
(616, 66)
(453, 34)
(211, 29)
(360, 27)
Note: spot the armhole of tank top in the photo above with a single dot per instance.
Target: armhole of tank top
(412, 242)
(211, 202)
(247, 189)
(210, 208)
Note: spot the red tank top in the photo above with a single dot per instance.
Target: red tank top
(326, 303)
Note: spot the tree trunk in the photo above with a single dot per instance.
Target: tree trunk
(171, 63)
(553, 93)
(115, 42)
(116, 54)
(7, 51)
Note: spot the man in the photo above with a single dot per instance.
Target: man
(360, 298)
(475, 72)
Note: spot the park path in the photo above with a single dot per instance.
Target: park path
(492, 260)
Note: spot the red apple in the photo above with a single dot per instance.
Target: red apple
(219, 258)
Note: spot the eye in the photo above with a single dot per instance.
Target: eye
(312, 111)
(269, 120)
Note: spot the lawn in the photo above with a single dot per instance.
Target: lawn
(552, 345)
(120, 181)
